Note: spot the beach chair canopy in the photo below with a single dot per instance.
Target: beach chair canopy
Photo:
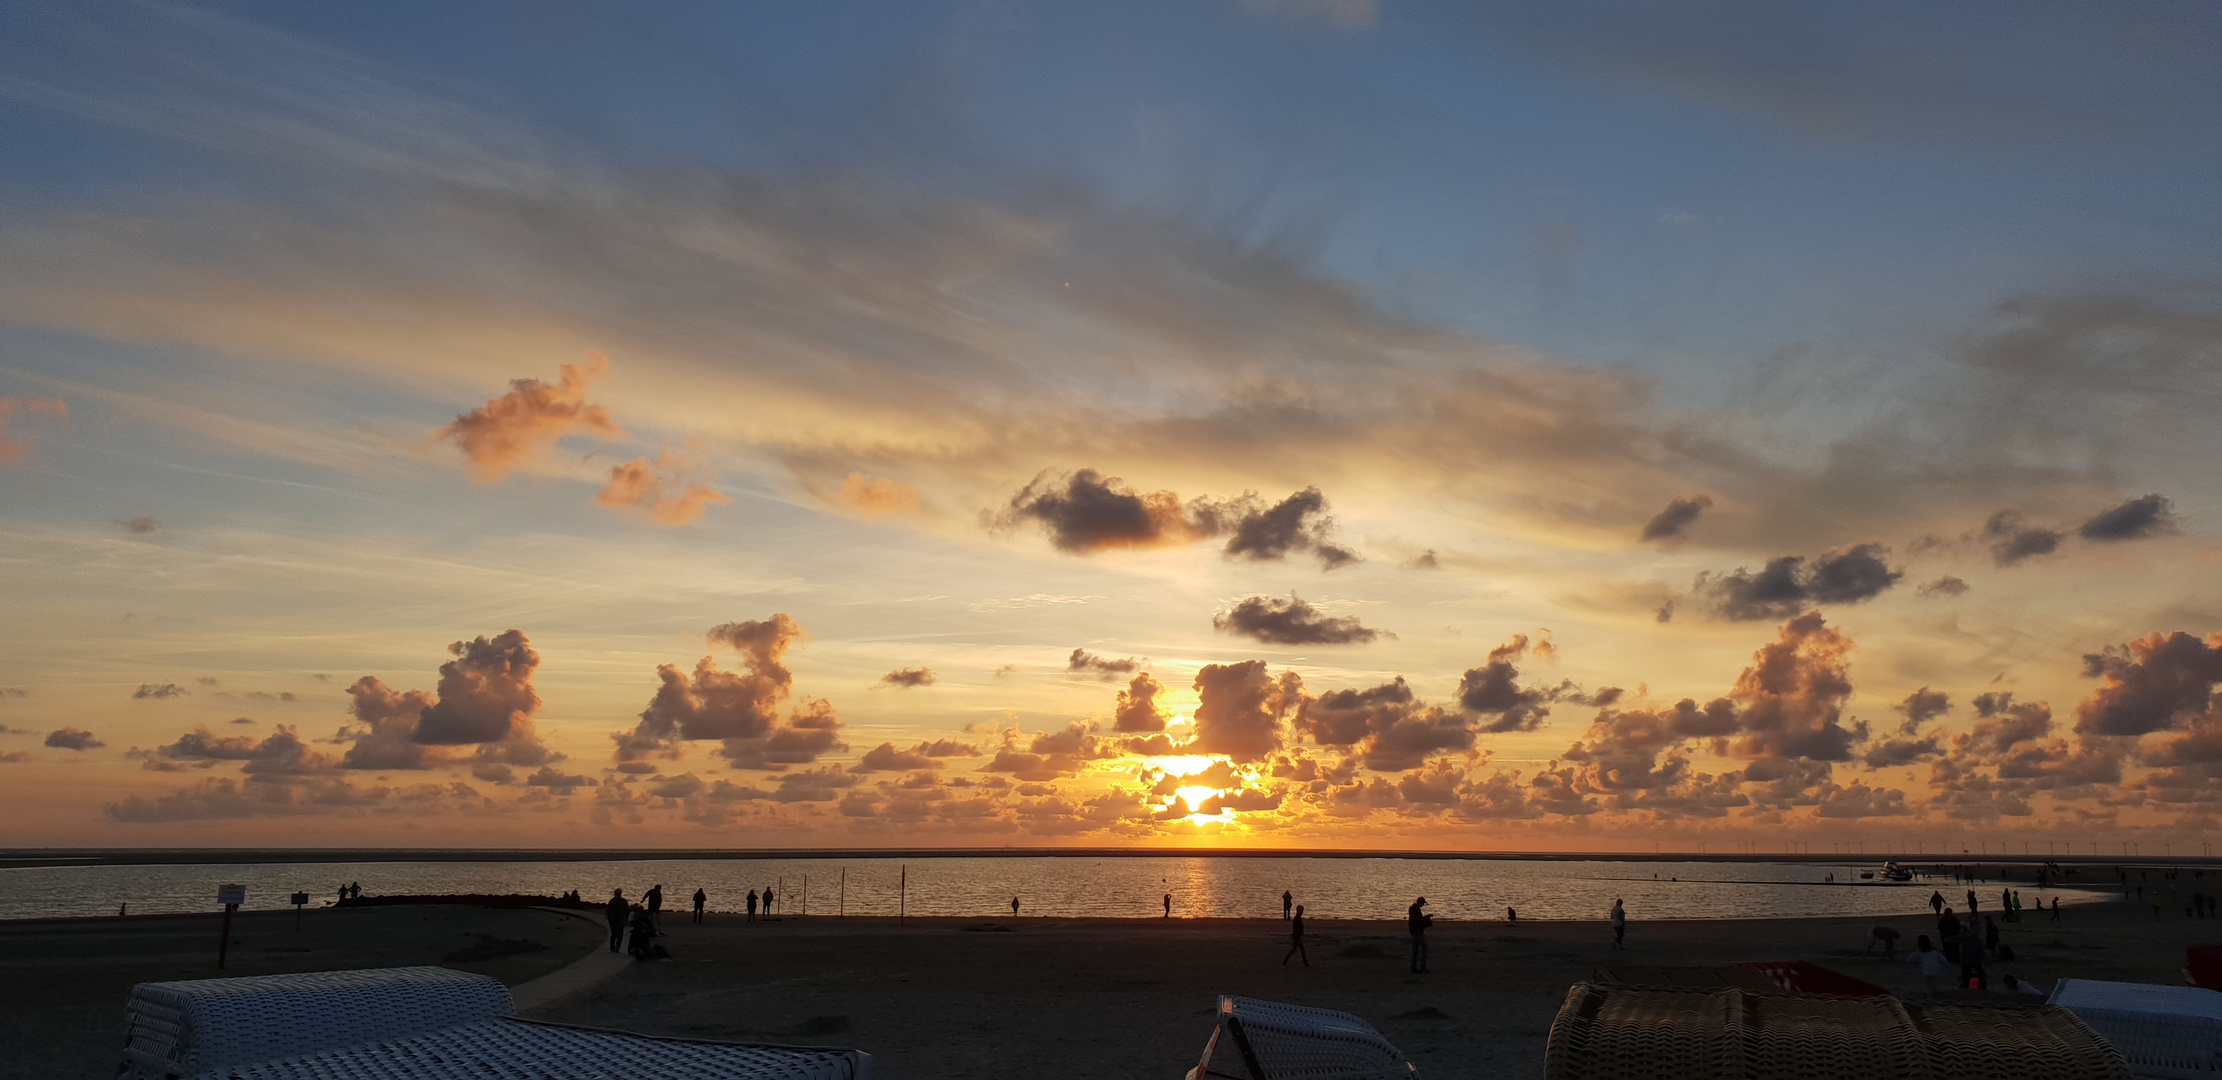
(2163, 1031)
(1266, 1040)
(414, 1024)
(1614, 1032)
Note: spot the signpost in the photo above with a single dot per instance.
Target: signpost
(300, 900)
(231, 896)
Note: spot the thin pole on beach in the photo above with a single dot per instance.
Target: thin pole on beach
(843, 911)
(902, 897)
(806, 895)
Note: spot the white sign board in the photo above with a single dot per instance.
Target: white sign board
(231, 894)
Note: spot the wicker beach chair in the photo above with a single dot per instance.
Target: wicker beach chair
(2164, 1031)
(1617, 1032)
(414, 1024)
(1265, 1040)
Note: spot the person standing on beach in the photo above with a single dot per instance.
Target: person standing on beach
(1511, 916)
(1416, 923)
(2055, 908)
(1169, 910)
(1014, 907)
(1619, 926)
(752, 905)
(1287, 898)
(1929, 961)
(655, 902)
(767, 901)
(700, 898)
(1296, 938)
(616, 911)
(1948, 935)
(1936, 902)
(1972, 903)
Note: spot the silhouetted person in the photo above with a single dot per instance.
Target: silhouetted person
(1511, 916)
(700, 898)
(767, 901)
(1972, 903)
(2006, 903)
(1619, 925)
(1990, 937)
(1416, 923)
(355, 891)
(655, 902)
(1168, 905)
(752, 905)
(1929, 961)
(1287, 898)
(644, 929)
(615, 910)
(1936, 902)
(1014, 907)
(1296, 939)
(1948, 935)
(2055, 909)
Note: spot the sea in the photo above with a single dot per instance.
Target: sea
(1070, 886)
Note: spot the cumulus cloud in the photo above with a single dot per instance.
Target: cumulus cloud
(157, 691)
(1790, 584)
(1051, 754)
(513, 429)
(1242, 708)
(217, 798)
(666, 491)
(926, 755)
(139, 526)
(1947, 585)
(1924, 705)
(740, 709)
(484, 697)
(386, 737)
(70, 738)
(2151, 684)
(2146, 515)
(1291, 622)
(1107, 669)
(2011, 541)
(1386, 727)
(907, 678)
(13, 448)
(1138, 710)
(1493, 690)
(876, 496)
(1672, 522)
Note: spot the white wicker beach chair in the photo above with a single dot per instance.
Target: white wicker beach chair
(414, 1024)
(2163, 1031)
(1265, 1040)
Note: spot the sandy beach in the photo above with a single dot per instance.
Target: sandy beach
(951, 998)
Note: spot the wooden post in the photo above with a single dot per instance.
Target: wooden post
(842, 912)
(231, 896)
(806, 895)
(902, 897)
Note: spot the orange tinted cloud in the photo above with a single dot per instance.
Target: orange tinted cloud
(13, 449)
(876, 495)
(516, 427)
(662, 491)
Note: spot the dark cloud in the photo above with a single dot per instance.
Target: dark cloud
(265, 695)
(1672, 522)
(1291, 622)
(2151, 684)
(158, 691)
(1108, 669)
(1425, 560)
(386, 733)
(1924, 705)
(1385, 726)
(812, 729)
(242, 720)
(70, 738)
(17, 757)
(908, 678)
(2011, 541)
(1138, 710)
(2146, 515)
(1087, 512)
(558, 782)
(1944, 586)
(139, 526)
(1298, 523)
(1051, 754)
(1789, 585)
(518, 426)
(1241, 709)
(926, 755)
(1493, 690)
(742, 706)
(200, 745)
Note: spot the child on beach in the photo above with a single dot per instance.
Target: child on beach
(1928, 961)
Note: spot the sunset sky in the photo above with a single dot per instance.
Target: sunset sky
(1294, 423)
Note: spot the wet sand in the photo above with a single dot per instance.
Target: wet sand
(948, 998)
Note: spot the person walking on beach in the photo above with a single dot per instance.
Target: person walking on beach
(700, 898)
(752, 905)
(1511, 916)
(2006, 904)
(2055, 908)
(1936, 902)
(1014, 907)
(1296, 939)
(1287, 898)
(1169, 909)
(655, 902)
(1416, 923)
(1619, 926)
(616, 910)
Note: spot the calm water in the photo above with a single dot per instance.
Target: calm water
(1066, 886)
